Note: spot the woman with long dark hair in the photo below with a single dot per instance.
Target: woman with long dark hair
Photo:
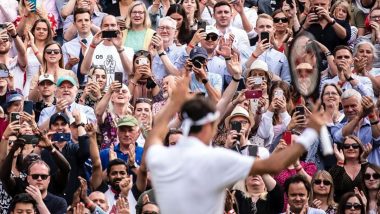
(184, 34)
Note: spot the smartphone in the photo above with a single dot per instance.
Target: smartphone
(253, 94)
(287, 137)
(3, 26)
(202, 24)
(236, 125)
(301, 110)
(30, 139)
(28, 107)
(109, 34)
(61, 137)
(143, 61)
(257, 80)
(150, 84)
(264, 35)
(279, 94)
(34, 2)
(15, 116)
(118, 77)
(4, 72)
(253, 150)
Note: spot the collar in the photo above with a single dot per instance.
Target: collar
(88, 38)
(96, 13)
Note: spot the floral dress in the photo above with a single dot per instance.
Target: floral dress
(108, 132)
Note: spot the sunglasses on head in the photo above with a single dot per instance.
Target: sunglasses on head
(36, 176)
(212, 36)
(354, 146)
(283, 20)
(368, 176)
(319, 182)
(53, 51)
(142, 53)
(356, 206)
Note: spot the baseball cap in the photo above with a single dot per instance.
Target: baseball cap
(48, 77)
(66, 78)
(59, 115)
(211, 29)
(198, 52)
(13, 97)
(128, 120)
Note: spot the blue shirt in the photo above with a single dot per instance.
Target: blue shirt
(47, 112)
(276, 60)
(365, 136)
(364, 87)
(175, 54)
(104, 155)
(214, 79)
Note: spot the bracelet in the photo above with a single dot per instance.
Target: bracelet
(236, 80)
(374, 122)
(333, 22)
(254, 56)
(328, 53)
(190, 46)
(227, 58)
(92, 45)
(14, 36)
(120, 51)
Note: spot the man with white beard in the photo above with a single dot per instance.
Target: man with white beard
(167, 86)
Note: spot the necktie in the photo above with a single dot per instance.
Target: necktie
(79, 75)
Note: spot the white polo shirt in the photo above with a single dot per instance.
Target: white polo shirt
(191, 177)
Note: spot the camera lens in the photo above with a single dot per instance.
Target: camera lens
(197, 64)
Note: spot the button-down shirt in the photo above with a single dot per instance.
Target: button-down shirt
(214, 79)
(72, 49)
(96, 19)
(46, 113)
(104, 155)
(175, 54)
(276, 60)
(364, 134)
(364, 87)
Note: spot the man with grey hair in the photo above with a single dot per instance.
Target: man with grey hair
(167, 60)
(361, 122)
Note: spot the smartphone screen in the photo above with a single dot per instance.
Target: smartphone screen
(253, 94)
(61, 137)
(109, 34)
(34, 2)
(287, 137)
(253, 150)
(28, 107)
(235, 125)
(118, 77)
(264, 35)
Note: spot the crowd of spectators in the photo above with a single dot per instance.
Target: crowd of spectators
(106, 107)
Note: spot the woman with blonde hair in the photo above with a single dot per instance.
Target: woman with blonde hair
(259, 194)
(138, 34)
(322, 194)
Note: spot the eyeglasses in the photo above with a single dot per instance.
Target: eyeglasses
(36, 176)
(138, 13)
(354, 146)
(368, 176)
(283, 20)
(53, 51)
(330, 94)
(349, 206)
(319, 182)
(167, 28)
(212, 36)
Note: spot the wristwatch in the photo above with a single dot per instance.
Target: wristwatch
(162, 53)
(204, 81)
(350, 78)
(81, 124)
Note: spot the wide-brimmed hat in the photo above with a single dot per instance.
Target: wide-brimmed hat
(239, 111)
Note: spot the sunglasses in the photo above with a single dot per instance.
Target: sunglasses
(212, 36)
(36, 176)
(53, 51)
(356, 206)
(368, 176)
(354, 146)
(283, 20)
(319, 182)
(142, 53)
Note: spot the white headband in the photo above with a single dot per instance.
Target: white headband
(188, 122)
